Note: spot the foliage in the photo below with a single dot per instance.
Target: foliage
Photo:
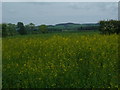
(0, 30)
(54, 30)
(60, 61)
(30, 28)
(88, 28)
(11, 29)
(43, 28)
(4, 30)
(21, 28)
(8, 29)
(110, 27)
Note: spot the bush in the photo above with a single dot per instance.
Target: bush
(109, 27)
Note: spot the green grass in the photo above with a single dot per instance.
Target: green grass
(61, 60)
(64, 33)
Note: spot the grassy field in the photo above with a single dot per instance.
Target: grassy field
(66, 60)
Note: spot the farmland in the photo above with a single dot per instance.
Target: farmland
(69, 60)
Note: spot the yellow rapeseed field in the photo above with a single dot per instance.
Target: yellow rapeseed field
(82, 61)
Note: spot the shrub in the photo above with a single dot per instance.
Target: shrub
(109, 27)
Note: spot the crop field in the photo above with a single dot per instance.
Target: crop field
(60, 61)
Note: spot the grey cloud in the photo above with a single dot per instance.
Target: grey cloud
(52, 13)
(93, 5)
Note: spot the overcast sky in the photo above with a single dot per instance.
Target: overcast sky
(60, 0)
(59, 12)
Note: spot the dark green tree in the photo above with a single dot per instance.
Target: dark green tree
(43, 28)
(0, 30)
(32, 26)
(11, 29)
(4, 30)
(109, 27)
(21, 28)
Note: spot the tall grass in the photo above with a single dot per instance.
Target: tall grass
(60, 61)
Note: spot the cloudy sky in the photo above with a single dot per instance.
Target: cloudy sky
(58, 12)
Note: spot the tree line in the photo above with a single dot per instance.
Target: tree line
(88, 28)
(105, 27)
(21, 29)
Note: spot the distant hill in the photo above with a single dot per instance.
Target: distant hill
(67, 24)
(75, 26)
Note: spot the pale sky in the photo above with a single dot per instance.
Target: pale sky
(59, 0)
(58, 12)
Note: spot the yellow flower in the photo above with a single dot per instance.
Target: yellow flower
(81, 59)
(77, 41)
(16, 64)
(24, 64)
